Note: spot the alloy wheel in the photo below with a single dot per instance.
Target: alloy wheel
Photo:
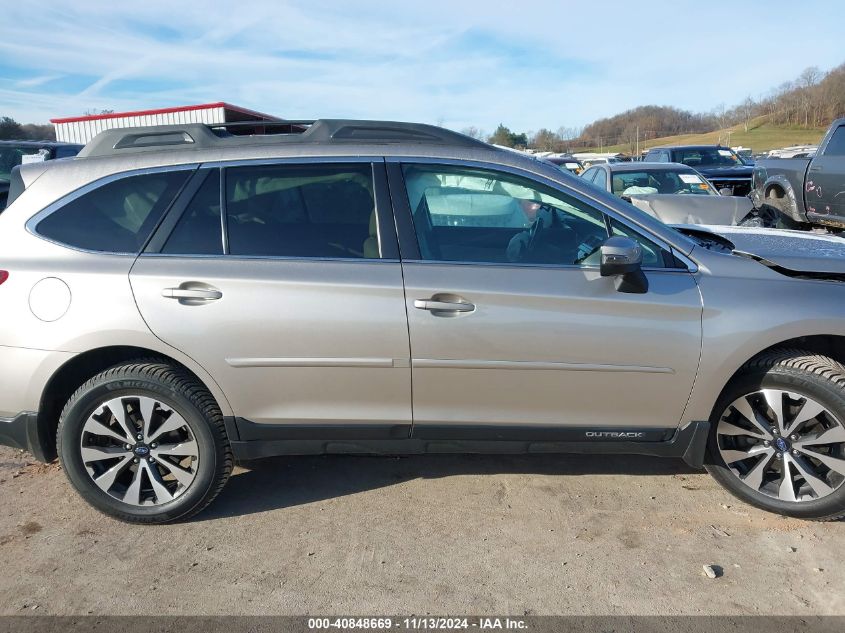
(139, 450)
(783, 444)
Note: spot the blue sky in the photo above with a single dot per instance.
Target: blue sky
(528, 64)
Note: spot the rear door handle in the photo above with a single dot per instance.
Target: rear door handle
(192, 293)
(443, 306)
(816, 168)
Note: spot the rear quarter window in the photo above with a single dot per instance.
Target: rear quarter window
(118, 216)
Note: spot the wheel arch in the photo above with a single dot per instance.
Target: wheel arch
(775, 187)
(74, 372)
(831, 345)
(787, 202)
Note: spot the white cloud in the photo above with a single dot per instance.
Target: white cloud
(536, 64)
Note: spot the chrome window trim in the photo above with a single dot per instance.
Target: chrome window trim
(592, 268)
(226, 258)
(56, 205)
(224, 215)
(692, 267)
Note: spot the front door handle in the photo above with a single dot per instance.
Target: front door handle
(437, 304)
(197, 294)
(816, 168)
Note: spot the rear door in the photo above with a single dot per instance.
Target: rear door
(283, 281)
(514, 334)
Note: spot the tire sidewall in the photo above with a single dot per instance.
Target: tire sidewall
(87, 401)
(804, 383)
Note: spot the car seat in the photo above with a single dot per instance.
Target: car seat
(371, 250)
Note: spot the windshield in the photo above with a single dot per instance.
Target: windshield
(11, 157)
(660, 181)
(708, 157)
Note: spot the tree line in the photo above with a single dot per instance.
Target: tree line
(812, 100)
(11, 130)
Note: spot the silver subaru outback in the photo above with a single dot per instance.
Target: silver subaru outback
(179, 298)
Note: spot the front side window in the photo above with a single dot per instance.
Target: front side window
(600, 180)
(322, 211)
(653, 255)
(116, 217)
(465, 214)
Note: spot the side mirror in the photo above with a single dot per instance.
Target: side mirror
(726, 191)
(622, 257)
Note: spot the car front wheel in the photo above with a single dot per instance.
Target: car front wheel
(777, 436)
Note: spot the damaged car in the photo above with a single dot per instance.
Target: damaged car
(806, 192)
(675, 194)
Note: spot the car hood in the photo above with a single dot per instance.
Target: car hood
(693, 209)
(740, 171)
(792, 252)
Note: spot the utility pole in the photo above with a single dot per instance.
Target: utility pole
(638, 142)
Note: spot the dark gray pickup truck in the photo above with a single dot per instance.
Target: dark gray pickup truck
(805, 192)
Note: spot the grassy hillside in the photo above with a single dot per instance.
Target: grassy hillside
(761, 136)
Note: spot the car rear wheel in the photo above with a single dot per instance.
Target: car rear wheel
(145, 442)
(777, 436)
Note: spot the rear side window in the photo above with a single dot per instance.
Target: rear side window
(323, 211)
(117, 217)
(600, 180)
(836, 144)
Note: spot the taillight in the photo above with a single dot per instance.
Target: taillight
(4, 275)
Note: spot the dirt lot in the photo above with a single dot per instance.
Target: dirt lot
(434, 534)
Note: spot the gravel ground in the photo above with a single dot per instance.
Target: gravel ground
(430, 534)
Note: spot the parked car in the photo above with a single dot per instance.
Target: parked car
(793, 151)
(178, 298)
(13, 153)
(806, 192)
(726, 171)
(568, 163)
(674, 194)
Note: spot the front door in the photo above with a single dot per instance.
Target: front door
(514, 334)
(825, 194)
(297, 307)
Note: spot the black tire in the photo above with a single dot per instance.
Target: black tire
(800, 371)
(179, 390)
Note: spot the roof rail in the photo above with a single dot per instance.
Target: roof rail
(201, 136)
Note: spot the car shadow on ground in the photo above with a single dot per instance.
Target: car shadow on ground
(281, 482)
